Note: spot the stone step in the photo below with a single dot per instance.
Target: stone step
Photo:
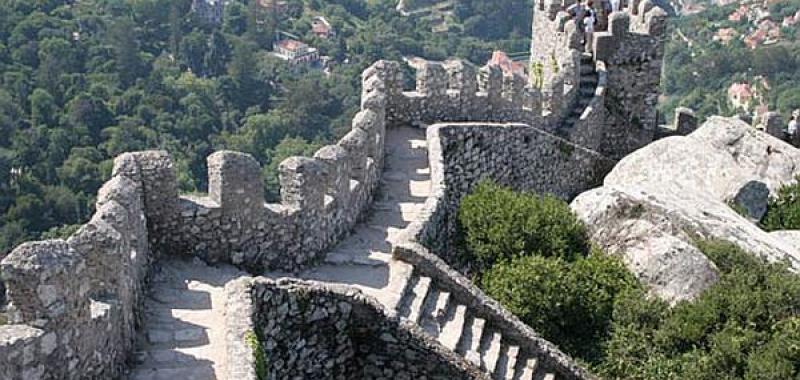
(400, 284)
(470, 342)
(420, 293)
(507, 363)
(590, 77)
(166, 336)
(453, 329)
(526, 369)
(490, 351)
(549, 376)
(435, 312)
(162, 358)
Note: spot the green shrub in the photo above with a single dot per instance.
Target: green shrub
(499, 224)
(744, 327)
(783, 212)
(568, 303)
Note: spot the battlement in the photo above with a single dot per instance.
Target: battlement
(456, 90)
(632, 37)
(628, 45)
(140, 214)
(88, 288)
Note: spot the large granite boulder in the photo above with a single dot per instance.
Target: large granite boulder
(660, 199)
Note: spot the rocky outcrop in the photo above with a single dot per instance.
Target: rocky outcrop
(659, 200)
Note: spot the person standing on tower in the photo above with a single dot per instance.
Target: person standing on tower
(589, 22)
(791, 129)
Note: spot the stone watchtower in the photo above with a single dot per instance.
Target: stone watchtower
(603, 96)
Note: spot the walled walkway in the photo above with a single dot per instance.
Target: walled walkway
(364, 259)
(184, 333)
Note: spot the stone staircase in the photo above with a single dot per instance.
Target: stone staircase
(457, 328)
(586, 90)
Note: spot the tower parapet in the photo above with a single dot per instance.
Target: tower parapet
(630, 50)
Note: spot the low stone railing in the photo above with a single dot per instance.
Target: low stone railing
(519, 156)
(290, 329)
(513, 330)
(515, 155)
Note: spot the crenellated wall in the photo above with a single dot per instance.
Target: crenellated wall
(74, 305)
(630, 47)
(307, 330)
(633, 52)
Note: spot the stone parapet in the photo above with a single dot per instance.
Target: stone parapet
(519, 156)
(74, 304)
(514, 332)
(313, 331)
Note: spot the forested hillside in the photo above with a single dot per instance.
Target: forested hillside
(738, 43)
(83, 81)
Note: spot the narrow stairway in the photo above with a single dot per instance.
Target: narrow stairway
(184, 332)
(457, 328)
(586, 90)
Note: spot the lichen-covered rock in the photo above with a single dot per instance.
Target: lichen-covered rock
(658, 200)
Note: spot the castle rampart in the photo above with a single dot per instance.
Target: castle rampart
(630, 48)
(515, 155)
(314, 331)
(75, 304)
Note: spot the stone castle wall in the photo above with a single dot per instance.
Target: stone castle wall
(519, 156)
(633, 51)
(630, 52)
(75, 304)
(312, 331)
(516, 155)
(322, 198)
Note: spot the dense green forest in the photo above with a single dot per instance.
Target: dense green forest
(699, 70)
(83, 81)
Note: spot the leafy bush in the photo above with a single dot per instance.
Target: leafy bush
(568, 303)
(747, 326)
(499, 224)
(744, 327)
(783, 212)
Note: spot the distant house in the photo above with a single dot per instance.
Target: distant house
(278, 6)
(509, 67)
(741, 95)
(210, 10)
(322, 28)
(295, 52)
(756, 39)
(790, 21)
(739, 14)
(726, 35)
